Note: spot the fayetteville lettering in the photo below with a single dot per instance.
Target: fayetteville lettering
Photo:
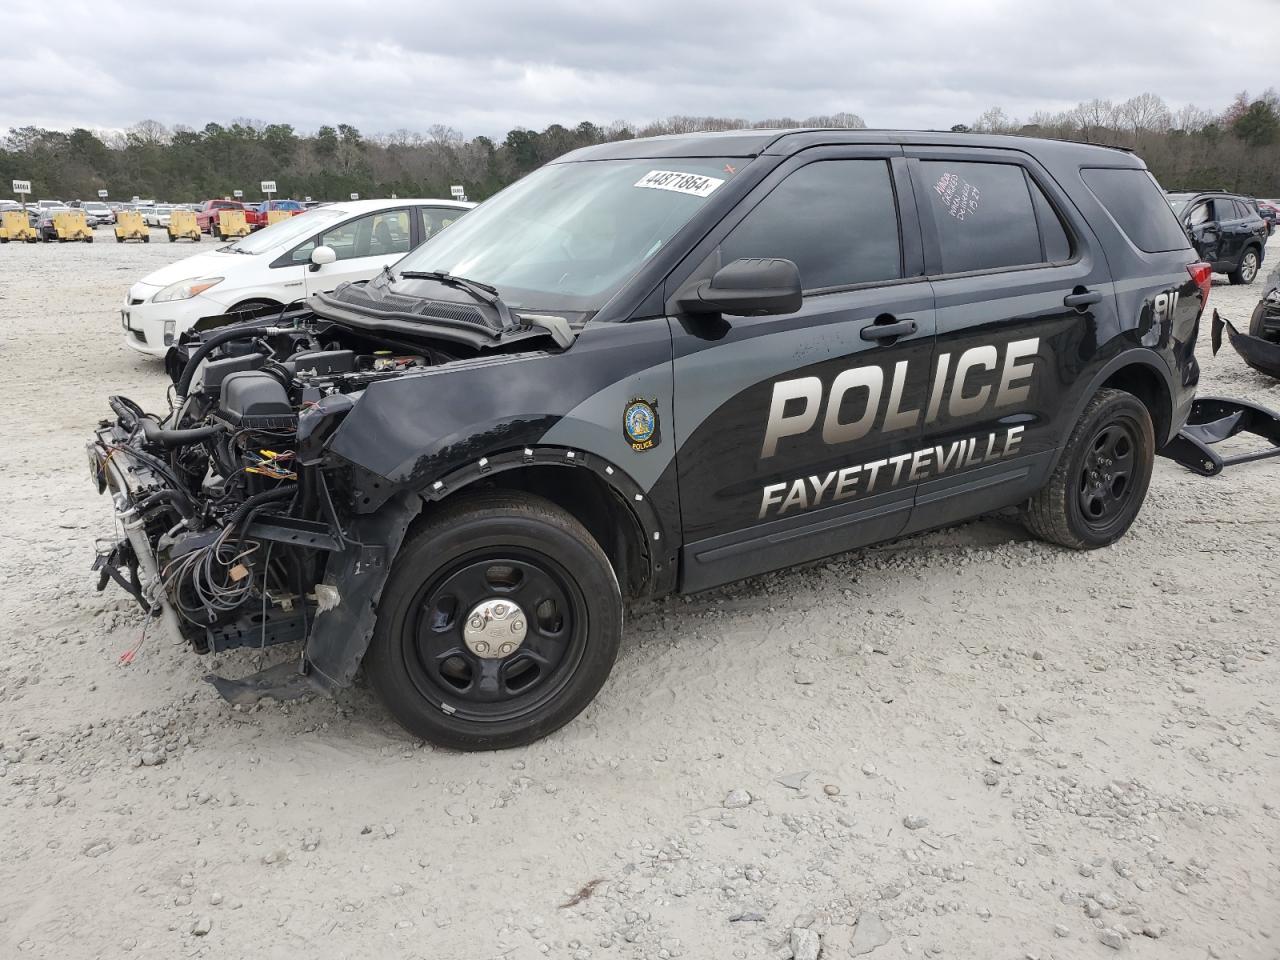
(864, 479)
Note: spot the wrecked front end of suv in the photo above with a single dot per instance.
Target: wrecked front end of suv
(238, 523)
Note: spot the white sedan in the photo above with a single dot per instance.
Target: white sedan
(157, 216)
(279, 265)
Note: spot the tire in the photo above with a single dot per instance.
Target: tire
(119, 239)
(1101, 480)
(88, 239)
(1247, 271)
(495, 548)
(146, 238)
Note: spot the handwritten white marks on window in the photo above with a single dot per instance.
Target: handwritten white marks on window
(958, 196)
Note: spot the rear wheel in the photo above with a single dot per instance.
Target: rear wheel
(1101, 480)
(499, 623)
(1248, 268)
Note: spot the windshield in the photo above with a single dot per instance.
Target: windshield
(293, 230)
(568, 236)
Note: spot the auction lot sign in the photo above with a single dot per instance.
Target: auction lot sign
(22, 186)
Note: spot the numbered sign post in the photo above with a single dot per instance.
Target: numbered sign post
(102, 194)
(237, 194)
(268, 187)
(355, 196)
(22, 189)
(458, 192)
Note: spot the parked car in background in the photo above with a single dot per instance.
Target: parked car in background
(256, 214)
(280, 264)
(1226, 230)
(207, 213)
(1269, 212)
(43, 220)
(97, 213)
(158, 216)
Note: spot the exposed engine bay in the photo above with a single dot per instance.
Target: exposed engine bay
(239, 527)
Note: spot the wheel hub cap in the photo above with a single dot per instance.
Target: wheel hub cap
(494, 629)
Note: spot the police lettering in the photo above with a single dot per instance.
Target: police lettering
(981, 378)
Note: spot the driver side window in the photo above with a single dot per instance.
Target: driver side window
(835, 219)
(1201, 214)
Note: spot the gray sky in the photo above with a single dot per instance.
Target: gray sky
(484, 67)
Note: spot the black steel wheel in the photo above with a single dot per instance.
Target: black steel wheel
(1101, 479)
(1106, 475)
(499, 623)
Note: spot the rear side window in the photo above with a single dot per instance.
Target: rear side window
(836, 219)
(1137, 206)
(984, 215)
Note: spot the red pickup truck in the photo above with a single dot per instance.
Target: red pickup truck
(209, 210)
(256, 213)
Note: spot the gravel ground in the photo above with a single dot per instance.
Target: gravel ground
(964, 744)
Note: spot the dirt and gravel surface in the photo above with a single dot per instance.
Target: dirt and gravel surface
(964, 744)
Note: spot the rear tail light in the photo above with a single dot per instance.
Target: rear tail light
(1202, 276)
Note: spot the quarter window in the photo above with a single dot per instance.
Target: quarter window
(435, 219)
(1138, 207)
(835, 219)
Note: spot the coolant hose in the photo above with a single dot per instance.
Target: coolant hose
(215, 339)
(179, 438)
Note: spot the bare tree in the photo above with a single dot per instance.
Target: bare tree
(1191, 119)
(1145, 113)
(1095, 116)
(994, 120)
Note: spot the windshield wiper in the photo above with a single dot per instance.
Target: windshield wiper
(481, 291)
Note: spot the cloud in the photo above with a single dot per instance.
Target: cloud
(485, 67)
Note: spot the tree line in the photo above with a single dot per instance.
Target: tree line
(182, 164)
(1188, 148)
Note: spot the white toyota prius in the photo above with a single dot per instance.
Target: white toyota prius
(280, 264)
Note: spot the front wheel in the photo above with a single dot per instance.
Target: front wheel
(1248, 268)
(1101, 480)
(499, 623)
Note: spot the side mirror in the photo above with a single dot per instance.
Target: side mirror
(754, 287)
(322, 255)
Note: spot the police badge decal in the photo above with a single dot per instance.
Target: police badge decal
(640, 423)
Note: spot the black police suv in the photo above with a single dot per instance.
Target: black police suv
(653, 366)
(1227, 231)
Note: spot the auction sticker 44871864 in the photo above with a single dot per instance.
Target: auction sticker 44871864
(694, 184)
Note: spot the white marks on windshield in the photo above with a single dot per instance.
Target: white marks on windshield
(958, 196)
(693, 184)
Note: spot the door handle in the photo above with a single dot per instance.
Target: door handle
(1081, 298)
(888, 331)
